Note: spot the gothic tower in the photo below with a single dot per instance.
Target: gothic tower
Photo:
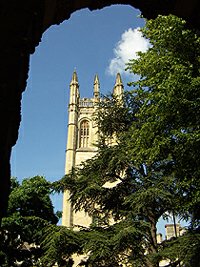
(82, 136)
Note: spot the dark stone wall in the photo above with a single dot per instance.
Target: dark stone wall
(22, 23)
(21, 30)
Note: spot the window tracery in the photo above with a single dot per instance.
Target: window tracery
(84, 134)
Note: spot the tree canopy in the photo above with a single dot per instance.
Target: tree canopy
(169, 119)
(30, 210)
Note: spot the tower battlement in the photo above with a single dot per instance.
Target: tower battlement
(86, 102)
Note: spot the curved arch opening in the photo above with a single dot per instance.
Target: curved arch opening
(84, 134)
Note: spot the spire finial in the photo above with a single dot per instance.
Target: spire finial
(118, 80)
(118, 88)
(96, 86)
(96, 80)
(74, 77)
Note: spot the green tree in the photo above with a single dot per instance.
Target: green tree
(59, 244)
(153, 166)
(30, 210)
(169, 118)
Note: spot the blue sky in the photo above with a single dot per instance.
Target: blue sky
(92, 42)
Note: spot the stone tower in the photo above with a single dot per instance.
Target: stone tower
(82, 135)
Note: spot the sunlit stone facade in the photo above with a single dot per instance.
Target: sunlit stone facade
(81, 140)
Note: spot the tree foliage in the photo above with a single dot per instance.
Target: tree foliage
(169, 119)
(30, 210)
(59, 244)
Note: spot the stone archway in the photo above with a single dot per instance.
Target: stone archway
(22, 24)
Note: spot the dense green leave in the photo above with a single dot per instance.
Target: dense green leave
(58, 244)
(30, 210)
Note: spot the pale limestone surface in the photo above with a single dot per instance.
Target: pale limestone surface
(81, 140)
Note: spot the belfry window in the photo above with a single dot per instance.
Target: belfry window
(84, 133)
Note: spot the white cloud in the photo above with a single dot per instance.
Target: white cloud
(131, 42)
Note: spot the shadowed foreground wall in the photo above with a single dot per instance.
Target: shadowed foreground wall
(22, 24)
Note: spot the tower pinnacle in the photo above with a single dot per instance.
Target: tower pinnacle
(96, 87)
(118, 80)
(74, 89)
(118, 88)
(74, 78)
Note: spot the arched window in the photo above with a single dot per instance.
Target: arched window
(84, 134)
